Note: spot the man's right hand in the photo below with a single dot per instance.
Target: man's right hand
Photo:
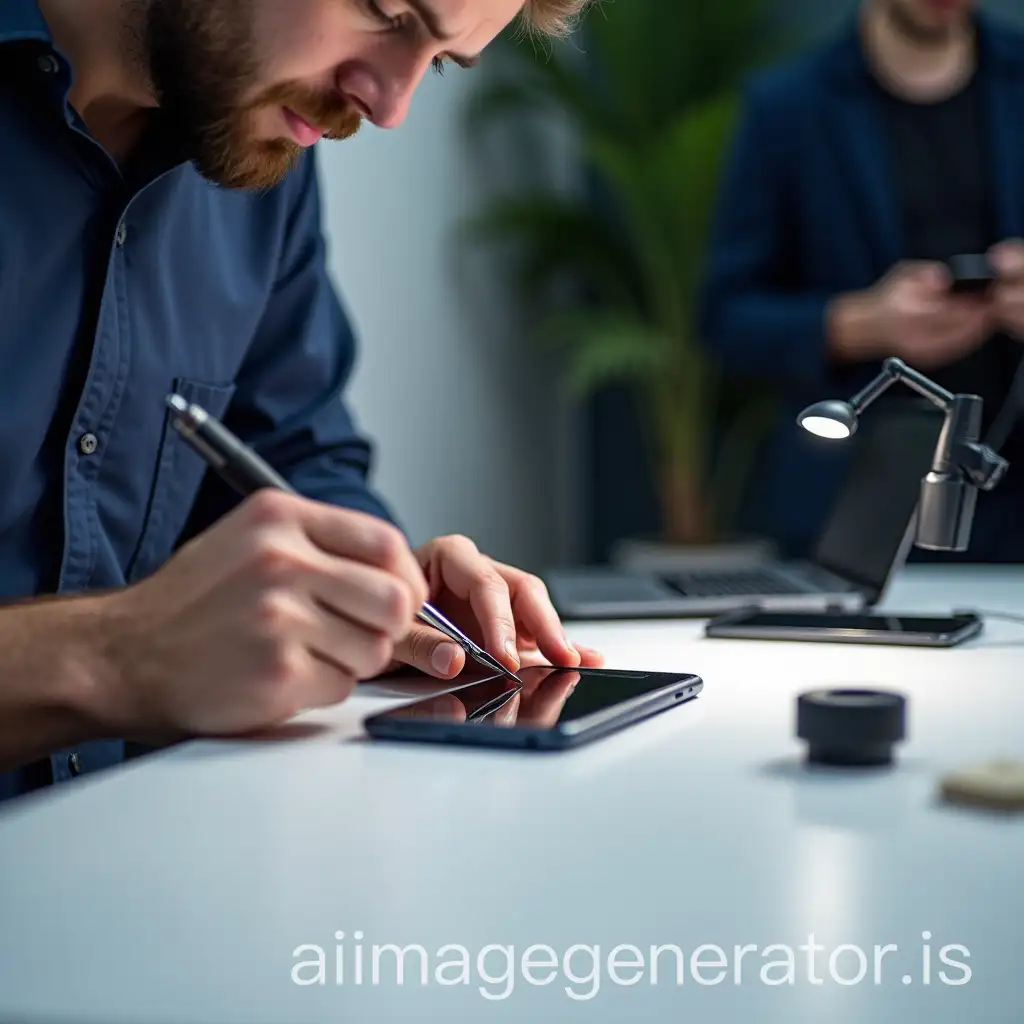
(910, 314)
(281, 606)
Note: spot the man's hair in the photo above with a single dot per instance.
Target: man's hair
(553, 17)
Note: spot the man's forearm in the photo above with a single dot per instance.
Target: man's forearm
(51, 677)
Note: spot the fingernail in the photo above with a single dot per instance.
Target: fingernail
(571, 648)
(512, 651)
(443, 658)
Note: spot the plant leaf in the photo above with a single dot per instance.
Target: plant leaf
(561, 238)
(658, 57)
(604, 348)
(666, 192)
(651, 105)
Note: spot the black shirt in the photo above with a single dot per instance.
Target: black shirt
(942, 167)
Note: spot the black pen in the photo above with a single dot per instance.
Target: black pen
(245, 471)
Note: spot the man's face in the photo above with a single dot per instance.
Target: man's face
(251, 83)
(929, 21)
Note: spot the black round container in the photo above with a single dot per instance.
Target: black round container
(851, 727)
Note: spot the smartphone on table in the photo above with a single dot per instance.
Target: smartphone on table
(551, 708)
(842, 627)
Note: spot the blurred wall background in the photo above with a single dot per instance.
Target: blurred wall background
(471, 436)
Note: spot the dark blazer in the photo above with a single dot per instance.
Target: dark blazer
(807, 210)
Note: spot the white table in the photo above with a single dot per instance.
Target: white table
(177, 889)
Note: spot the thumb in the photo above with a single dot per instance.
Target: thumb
(432, 652)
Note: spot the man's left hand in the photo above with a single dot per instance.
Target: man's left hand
(506, 611)
(1007, 260)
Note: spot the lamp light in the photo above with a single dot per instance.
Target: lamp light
(960, 467)
(831, 418)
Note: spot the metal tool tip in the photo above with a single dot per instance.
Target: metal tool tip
(492, 663)
(177, 403)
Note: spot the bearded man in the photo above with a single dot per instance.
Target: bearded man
(160, 233)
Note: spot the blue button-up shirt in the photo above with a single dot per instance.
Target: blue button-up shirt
(119, 285)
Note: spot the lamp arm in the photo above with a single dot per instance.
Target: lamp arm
(894, 369)
(922, 385)
(868, 394)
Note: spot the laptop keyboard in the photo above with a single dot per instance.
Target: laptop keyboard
(725, 584)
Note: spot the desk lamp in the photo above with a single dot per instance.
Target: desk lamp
(960, 467)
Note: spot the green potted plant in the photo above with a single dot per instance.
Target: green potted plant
(650, 91)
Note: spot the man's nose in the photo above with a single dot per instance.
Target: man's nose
(394, 108)
(385, 92)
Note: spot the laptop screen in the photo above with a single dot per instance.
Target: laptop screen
(877, 501)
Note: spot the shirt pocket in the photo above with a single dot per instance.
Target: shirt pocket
(179, 474)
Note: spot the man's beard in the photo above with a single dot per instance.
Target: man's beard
(202, 62)
(901, 16)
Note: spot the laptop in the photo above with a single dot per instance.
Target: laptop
(865, 541)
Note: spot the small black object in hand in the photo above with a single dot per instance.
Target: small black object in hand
(971, 274)
(850, 727)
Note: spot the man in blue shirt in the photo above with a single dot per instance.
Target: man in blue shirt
(159, 232)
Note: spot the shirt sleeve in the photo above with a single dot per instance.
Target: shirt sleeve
(289, 404)
(754, 317)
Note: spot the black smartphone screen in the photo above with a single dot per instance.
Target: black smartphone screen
(547, 698)
(863, 623)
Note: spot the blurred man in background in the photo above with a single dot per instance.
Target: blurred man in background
(858, 171)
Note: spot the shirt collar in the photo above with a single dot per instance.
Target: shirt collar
(22, 20)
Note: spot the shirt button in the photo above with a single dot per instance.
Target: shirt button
(122, 233)
(48, 64)
(74, 764)
(87, 444)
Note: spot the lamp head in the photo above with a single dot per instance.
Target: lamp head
(831, 418)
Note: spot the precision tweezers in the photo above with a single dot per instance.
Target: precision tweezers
(432, 617)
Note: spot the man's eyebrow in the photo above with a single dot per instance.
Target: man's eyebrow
(428, 16)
